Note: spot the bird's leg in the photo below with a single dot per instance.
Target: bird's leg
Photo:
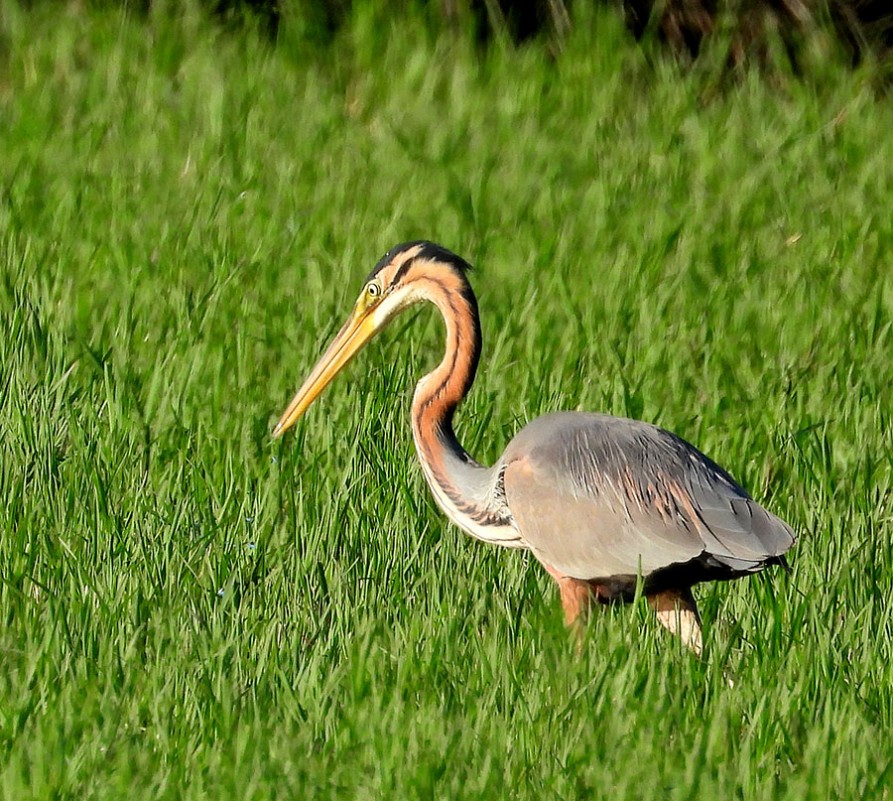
(576, 597)
(676, 610)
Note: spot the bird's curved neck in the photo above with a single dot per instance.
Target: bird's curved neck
(439, 393)
(465, 490)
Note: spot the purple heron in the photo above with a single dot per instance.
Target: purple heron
(603, 502)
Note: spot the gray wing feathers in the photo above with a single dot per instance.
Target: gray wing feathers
(742, 534)
(595, 496)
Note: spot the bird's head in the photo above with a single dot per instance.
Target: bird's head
(400, 279)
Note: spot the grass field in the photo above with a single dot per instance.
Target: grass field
(191, 610)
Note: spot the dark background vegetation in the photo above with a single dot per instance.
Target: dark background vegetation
(749, 30)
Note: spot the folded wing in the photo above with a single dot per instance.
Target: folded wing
(596, 496)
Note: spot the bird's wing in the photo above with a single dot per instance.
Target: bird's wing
(596, 496)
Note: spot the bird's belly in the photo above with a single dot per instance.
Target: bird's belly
(591, 566)
(603, 551)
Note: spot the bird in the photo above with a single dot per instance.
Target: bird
(611, 507)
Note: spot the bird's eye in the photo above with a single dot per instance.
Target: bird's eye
(373, 290)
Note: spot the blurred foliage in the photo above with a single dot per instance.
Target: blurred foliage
(749, 30)
(752, 29)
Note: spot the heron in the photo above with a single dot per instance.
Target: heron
(611, 507)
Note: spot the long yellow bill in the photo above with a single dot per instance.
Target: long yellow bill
(357, 331)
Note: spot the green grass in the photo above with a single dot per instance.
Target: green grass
(191, 610)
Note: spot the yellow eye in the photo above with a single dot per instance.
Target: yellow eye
(373, 289)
